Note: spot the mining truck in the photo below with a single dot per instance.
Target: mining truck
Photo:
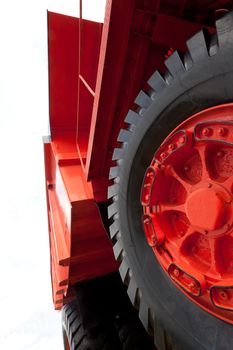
(139, 175)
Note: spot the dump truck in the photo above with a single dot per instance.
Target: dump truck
(139, 175)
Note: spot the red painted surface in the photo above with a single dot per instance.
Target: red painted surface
(79, 244)
(188, 208)
(95, 72)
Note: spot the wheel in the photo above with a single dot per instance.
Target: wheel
(102, 318)
(184, 297)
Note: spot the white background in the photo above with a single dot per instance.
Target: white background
(27, 318)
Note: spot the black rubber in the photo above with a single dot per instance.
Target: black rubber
(102, 318)
(100, 338)
(200, 79)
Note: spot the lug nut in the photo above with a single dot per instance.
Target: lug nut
(205, 131)
(182, 139)
(192, 285)
(176, 273)
(163, 155)
(222, 131)
(172, 146)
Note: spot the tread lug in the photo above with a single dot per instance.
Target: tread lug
(113, 190)
(157, 82)
(132, 118)
(114, 229)
(124, 135)
(197, 46)
(224, 27)
(175, 65)
(114, 172)
(112, 210)
(118, 154)
(117, 249)
(143, 100)
(124, 269)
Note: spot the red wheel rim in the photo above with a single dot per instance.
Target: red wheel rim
(187, 199)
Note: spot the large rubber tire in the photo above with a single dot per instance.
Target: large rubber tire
(78, 338)
(200, 79)
(102, 318)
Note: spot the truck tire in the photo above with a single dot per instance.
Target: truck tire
(102, 318)
(200, 79)
(76, 337)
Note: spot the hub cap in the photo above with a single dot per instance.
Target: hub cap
(188, 209)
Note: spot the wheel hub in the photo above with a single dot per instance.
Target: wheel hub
(187, 197)
(206, 209)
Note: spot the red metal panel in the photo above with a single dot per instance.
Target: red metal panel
(63, 72)
(112, 55)
(79, 245)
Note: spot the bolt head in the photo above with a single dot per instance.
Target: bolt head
(176, 272)
(172, 146)
(205, 131)
(192, 285)
(163, 155)
(222, 131)
(182, 139)
(223, 295)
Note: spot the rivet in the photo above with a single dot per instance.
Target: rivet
(192, 285)
(206, 232)
(209, 185)
(223, 295)
(163, 155)
(176, 272)
(186, 168)
(205, 131)
(182, 139)
(222, 131)
(172, 146)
